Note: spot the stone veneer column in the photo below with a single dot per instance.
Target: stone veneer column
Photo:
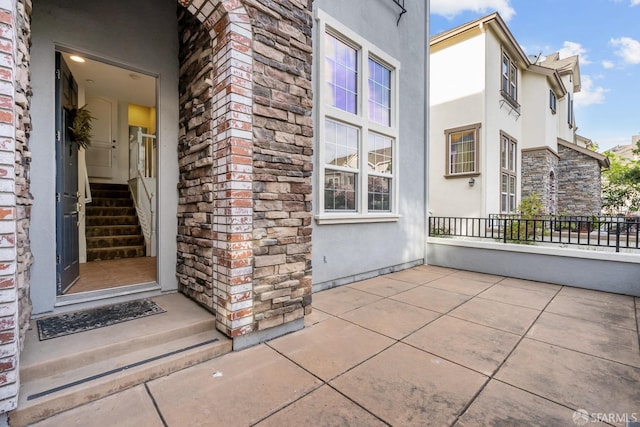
(15, 199)
(579, 183)
(537, 164)
(282, 161)
(245, 162)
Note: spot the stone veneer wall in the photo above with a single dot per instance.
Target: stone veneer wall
(537, 165)
(15, 198)
(579, 184)
(282, 160)
(245, 164)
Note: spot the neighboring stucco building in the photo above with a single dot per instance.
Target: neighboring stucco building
(502, 124)
(241, 157)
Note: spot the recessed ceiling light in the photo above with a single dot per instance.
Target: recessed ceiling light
(76, 58)
(89, 81)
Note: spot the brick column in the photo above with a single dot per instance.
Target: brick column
(217, 161)
(15, 199)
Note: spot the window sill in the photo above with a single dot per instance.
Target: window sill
(463, 175)
(325, 218)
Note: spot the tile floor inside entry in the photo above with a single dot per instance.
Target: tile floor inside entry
(425, 346)
(97, 275)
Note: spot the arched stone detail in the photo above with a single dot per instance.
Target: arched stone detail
(231, 153)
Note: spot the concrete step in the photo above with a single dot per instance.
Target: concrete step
(42, 398)
(62, 373)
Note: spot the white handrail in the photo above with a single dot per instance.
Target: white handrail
(142, 168)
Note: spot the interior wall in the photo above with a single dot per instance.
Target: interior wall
(112, 31)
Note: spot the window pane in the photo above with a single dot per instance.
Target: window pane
(512, 157)
(505, 74)
(503, 152)
(503, 192)
(513, 80)
(341, 145)
(379, 193)
(341, 74)
(340, 190)
(379, 93)
(462, 152)
(512, 194)
(380, 153)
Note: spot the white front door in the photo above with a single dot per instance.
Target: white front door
(102, 154)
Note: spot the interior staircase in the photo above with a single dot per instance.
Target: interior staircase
(112, 227)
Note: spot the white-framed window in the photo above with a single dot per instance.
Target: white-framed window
(508, 180)
(462, 150)
(357, 127)
(509, 77)
(553, 101)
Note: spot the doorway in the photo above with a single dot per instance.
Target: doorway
(106, 230)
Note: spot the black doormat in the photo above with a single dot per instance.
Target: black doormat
(80, 321)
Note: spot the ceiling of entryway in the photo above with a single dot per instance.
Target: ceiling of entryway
(102, 79)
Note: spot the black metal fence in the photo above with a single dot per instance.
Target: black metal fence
(609, 231)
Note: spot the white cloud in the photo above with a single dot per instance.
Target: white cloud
(450, 9)
(635, 3)
(573, 48)
(589, 94)
(627, 48)
(608, 64)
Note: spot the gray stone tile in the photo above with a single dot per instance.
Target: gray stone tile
(531, 285)
(506, 317)
(408, 387)
(383, 286)
(597, 339)
(432, 298)
(238, 388)
(474, 346)
(394, 319)
(316, 316)
(331, 347)
(619, 313)
(436, 269)
(342, 299)
(517, 296)
(129, 408)
(323, 407)
(482, 277)
(500, 404)
(599, 296)
(573, 379)
(414, 275)
(461, 285)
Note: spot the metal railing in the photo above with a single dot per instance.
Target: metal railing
(604, 231)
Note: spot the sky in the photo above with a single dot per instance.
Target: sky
(604, 33)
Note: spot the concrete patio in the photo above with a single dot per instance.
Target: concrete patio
(425, 346)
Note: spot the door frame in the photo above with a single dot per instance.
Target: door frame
(43, 290)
